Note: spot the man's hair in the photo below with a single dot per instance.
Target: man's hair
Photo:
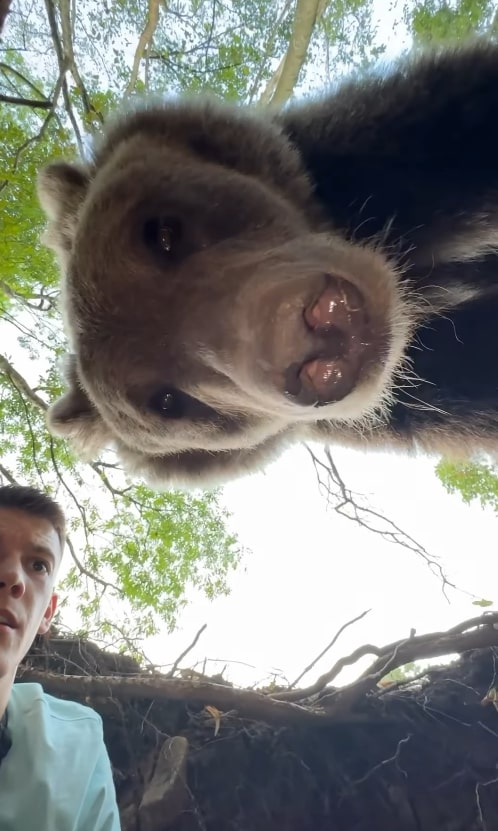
(34, 502)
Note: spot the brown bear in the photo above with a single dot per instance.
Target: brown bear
(235, 280)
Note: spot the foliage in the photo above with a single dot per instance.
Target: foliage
(433, 21)
(472, 481)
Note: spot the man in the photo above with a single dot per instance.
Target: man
(55, 774)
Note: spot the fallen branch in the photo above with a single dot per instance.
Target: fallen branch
(331, 706)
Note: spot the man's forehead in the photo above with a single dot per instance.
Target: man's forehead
(33, 531)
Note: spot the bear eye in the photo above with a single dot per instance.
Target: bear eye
(162, 233)
(168, 402)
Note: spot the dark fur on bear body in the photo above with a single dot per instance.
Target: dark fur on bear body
(235, 281)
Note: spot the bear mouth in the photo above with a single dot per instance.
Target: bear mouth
(344, 346)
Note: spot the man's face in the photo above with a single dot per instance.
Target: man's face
(30, 554)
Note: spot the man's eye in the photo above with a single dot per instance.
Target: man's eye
(41, 565)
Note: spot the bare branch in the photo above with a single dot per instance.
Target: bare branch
(144, 44)
(63, 62)
(330, 645)
(186, 651)
(347, 504)
(458, 639)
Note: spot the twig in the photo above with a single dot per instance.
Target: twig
(186, 651)
(330, 645)
(345, 503)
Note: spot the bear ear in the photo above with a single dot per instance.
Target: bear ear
(61, 190)
(74, 417)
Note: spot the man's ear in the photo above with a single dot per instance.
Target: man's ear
(47, 616)
(61, 190)
(74, 416)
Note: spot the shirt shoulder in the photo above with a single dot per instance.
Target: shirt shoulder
(30, 698)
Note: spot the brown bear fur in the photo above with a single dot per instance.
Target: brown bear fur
(198, 242)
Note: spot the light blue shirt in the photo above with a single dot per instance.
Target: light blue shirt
(57, 775)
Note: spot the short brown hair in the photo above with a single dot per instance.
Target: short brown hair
(34, 502)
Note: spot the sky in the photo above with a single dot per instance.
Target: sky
(310, 570)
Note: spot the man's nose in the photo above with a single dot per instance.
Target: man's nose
(11, 578)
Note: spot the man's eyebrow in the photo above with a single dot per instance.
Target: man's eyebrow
(37, 548)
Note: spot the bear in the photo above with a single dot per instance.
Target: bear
(235, 280)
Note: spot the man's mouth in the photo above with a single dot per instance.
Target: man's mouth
(8, 620)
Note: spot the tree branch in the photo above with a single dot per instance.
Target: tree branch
(266, 54)
(67, 43)
(11, 70)
(282, 83)
(7, 475)
(63, 63)
(144, 43)
(26, 102)
(482, 633)
(186, 651)
(20, 383)
(249, 704)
